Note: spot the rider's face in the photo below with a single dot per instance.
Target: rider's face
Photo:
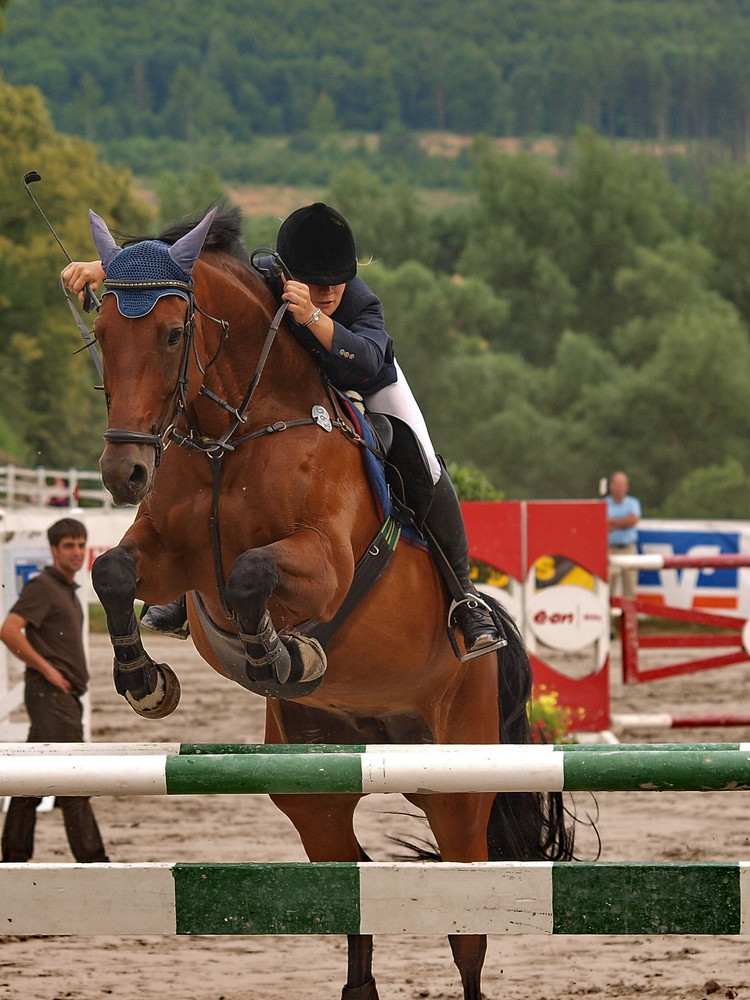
(327, 298)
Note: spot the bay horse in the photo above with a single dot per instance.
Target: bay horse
(287, 518)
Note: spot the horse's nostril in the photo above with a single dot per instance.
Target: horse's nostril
(139, 476)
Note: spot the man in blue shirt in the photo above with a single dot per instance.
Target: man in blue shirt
(623, 514)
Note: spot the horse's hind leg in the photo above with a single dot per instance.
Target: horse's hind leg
(325, 824)
(150, 688)
(469, 951)
(326, 829)
(459, 823)
(360, 984)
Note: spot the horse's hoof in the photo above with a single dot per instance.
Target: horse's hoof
(282, 665)
(164, 699)
(289, 691)
(308, 658)
(368, 991)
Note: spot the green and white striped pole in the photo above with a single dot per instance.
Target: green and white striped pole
(376, 898)
(191, 749)
(411, 769)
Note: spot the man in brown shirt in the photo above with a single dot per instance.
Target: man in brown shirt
(44, 629)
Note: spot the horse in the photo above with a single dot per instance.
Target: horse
(206, 375)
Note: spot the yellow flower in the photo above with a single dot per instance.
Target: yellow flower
(550, 722)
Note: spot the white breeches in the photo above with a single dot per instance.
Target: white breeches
(398, 401)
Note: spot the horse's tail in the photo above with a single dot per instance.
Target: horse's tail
(524, 826)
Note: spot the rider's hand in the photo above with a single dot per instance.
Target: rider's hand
(80, 273)
(297, 294)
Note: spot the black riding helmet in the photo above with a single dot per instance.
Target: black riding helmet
(317, 246)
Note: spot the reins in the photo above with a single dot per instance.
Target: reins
(221, 445)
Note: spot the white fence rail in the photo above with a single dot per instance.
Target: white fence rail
(42, 487)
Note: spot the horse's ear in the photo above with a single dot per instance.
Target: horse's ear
(103, 240)
(187, 249)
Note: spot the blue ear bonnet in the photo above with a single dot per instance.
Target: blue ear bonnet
(148, 262)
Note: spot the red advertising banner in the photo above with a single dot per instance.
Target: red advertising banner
(546, 561)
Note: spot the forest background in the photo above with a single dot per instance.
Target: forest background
(555, 195)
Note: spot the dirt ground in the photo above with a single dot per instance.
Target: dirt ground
(709, 826)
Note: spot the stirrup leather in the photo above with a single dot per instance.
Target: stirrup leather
(473, 601)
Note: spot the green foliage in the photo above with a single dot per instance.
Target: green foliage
(631, 68)
(553, 244)
(49, 413)
(714, 491)
(12, 446)
(387, 220)
(729, 218)
(471, 483)
(186, 194)
(303, 158)
(553, 324)
(635, 360)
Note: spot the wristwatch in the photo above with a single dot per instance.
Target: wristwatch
(314, 318)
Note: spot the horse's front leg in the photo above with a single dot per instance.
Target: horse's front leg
(301, 575)
(150, 688)
(251, 582)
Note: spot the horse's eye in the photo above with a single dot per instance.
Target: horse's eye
(175, 336)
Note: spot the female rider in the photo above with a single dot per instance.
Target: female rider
(339, 320)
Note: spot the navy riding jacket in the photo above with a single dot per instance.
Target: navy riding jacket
(362, 352)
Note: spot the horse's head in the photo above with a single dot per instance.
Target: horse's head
(145, 328)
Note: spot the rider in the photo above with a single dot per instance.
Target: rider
(339, 320)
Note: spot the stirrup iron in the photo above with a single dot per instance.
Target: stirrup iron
(474, 600)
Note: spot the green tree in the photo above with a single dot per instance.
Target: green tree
(471, 483)
(727, 234)
(713, 491)
(620, 202)
(626, 69)
(674, 278)
(323, 115)
(188, 194)
(387, 222)
(682, 409)
(518, 231)
(46, 396)
(432, 319)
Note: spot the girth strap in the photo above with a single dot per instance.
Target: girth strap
(367, 572)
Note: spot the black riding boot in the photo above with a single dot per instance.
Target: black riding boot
(170, 619)
(469, 613)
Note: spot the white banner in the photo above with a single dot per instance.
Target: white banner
(725, 591)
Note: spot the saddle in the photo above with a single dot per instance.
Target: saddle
(396, 463)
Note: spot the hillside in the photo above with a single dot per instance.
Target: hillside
(234, 71)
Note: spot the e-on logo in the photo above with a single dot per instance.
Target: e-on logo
(568, 617)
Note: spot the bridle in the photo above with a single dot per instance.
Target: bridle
(159, 437)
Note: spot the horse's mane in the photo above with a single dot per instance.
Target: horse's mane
(224, 236)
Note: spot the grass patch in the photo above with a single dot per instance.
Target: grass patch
(97, 619)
